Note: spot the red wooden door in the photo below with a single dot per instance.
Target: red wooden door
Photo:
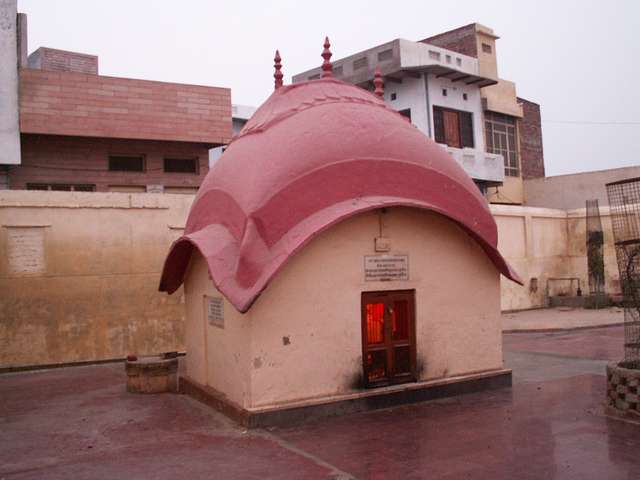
(388, 337)
(451, 128)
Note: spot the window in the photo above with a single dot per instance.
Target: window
(360, 63)
(128, 188)
(405, 113)
(62, 187)
(388, 337)
(448, 58)
(464, 96)
(486, 48)
(501, 134)
(393, 96)
(444, 92)
(126, 163)
(385, 55)
(482, 186)
(434, 55)
(180, 165)
(314, 77)
(182, 190)
(458, 61)
(453, 128)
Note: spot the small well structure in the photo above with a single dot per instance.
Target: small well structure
(336, 259)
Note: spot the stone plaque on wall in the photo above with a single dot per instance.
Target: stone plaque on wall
(386, 267)
(25, 250)
(215, 311)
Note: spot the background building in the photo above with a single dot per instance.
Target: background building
(572, 190)
(81, 131)
(448, 86)
(240, 115)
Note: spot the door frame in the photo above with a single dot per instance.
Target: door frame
(388, 296)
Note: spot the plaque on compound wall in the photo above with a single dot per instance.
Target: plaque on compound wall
(25, 252)
(382, 268)
(215, 311)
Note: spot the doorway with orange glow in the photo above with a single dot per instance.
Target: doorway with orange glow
(388, 337)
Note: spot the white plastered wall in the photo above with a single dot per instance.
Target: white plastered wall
(455, 100)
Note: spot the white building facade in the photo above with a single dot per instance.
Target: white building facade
(438, 89)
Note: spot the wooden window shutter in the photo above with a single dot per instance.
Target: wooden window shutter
(438, 125)
(466, 129)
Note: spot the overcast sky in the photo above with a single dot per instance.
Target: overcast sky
(580, 60)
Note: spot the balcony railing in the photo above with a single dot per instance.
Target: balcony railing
(479, 165)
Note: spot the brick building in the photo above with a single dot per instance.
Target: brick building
(502, 108)
(448, 86)
(80, 130)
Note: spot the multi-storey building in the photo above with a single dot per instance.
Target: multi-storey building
(448, 86)
(76, 130)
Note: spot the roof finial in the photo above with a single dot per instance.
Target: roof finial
(278, 74)
(327, 68)
(378, 83)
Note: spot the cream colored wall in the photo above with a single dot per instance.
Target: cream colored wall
(315, 303)
(79, 275)
(217, 357)
(487, 62)
(511, 191)
(95, 296)
(542, 243)
(502, 98)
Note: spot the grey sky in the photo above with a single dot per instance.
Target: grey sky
(577, 59)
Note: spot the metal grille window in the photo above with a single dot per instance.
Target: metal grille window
(126, 163)
(180, 165)
(501, 133)
(61, 187)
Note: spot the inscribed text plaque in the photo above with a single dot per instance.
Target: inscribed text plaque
(215, 311)
(25, 250)
(386, 267)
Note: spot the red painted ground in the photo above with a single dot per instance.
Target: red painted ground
(79, 423)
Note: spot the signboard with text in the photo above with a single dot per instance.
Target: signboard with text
(379, 268)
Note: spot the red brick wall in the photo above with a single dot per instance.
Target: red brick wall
(461, 40)
(67, 103)
(83, 160)
(530, 133)
(63, 61)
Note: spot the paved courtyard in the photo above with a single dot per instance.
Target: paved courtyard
(79, 423)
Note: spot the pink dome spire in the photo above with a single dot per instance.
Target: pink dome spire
(278, 74)
(378, 83)
(327, 68)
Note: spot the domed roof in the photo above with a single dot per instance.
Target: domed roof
(312, 155)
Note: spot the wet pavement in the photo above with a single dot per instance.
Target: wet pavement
(560, 318)
(80, 423)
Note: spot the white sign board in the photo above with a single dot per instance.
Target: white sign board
(386, 267)
(215, 311)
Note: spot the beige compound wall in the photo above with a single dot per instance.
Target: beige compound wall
(79, 275)
(302, 338)
(79, 271)
(542, 244)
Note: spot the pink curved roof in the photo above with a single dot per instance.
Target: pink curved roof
(312, 155)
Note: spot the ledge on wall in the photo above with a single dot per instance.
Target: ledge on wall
(386, 397)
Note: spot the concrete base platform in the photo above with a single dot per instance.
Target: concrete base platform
(379, 398)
